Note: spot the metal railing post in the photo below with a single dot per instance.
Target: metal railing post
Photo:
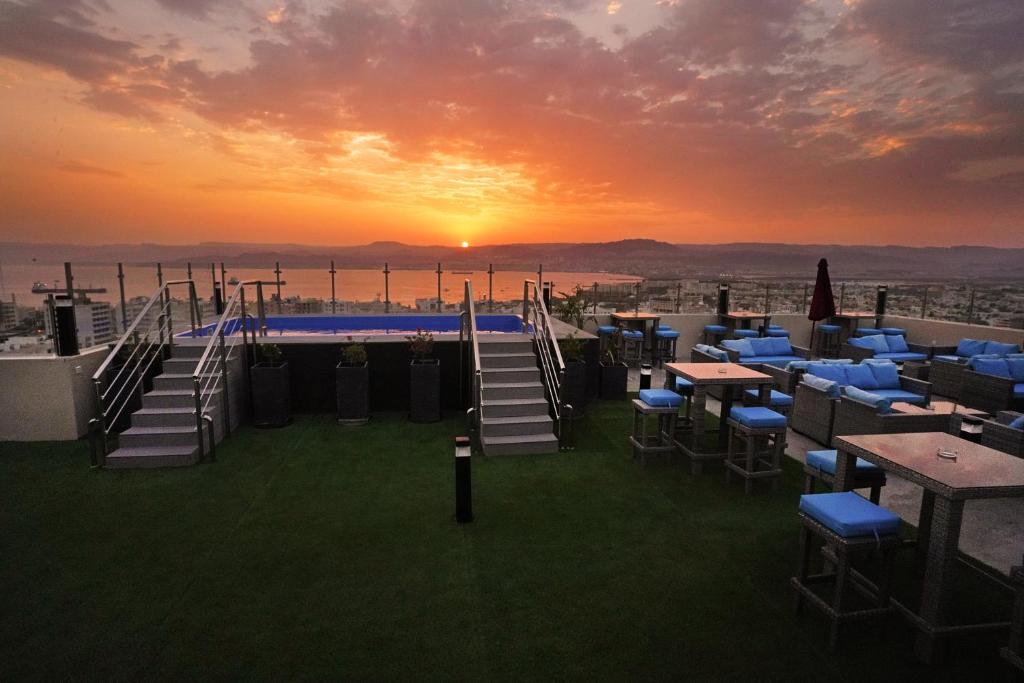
(803, 306)
(842, 296)
(595, 298)
(124, 305)
(970, 308)
(334, 301)
(440, 302)
(277, 275)
(191, 305)
(924, 303)
(225, 398)
(197, 392)
(526, 310)
(679, 286)
(490, 287)
(387, 288)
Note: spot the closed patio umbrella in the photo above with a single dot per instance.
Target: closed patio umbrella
(823, 304)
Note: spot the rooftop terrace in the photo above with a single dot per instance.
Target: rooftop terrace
(317, 551)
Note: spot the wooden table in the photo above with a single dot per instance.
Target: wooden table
(740, 319)
(638, 321)
(703, 375)
(849, 321)
(938, 408)
(977, 473)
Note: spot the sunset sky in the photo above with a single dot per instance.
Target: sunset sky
(438, 121)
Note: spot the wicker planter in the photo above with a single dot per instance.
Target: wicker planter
(574, 389)
(425, 390)
(614, 378)
(271, 400)
(352, 386)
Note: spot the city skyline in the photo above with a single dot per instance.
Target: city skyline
(173, 121)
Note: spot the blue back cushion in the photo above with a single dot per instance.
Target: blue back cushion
(887, 375)
(740, 346)
(833, 373)
(897, 343)
(861, 343)
(762, 346)
(991, 366)
(836, 361)
(970, 347)
(861, 377)
(1016, 366)
(1000, 348)
(877, 343)
(882, 404)
(780, 346)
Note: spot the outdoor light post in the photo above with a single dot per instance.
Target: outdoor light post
(463, 481)
(332, 271)
(645, 376)
(277, 274)
(387, 292)
(440, 301)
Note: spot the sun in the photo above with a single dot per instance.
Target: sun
(465, 245)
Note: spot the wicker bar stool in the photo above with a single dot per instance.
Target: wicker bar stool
(778, 401)
(740, 333)
(714, 334)
(605, 337)
(756, 425)
(664, 405)
(1014, 652)
(665, 345)
(827, 338)
(850, 527)
(776, 331)
(821, 467)
(632, 346)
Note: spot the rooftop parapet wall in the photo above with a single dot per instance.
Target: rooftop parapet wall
(943, 333)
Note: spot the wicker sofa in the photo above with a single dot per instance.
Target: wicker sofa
(856, 417)
(892, 347)
(993, 384)
(775, 351)
(814, 413)
(950, 362)
(998, 434)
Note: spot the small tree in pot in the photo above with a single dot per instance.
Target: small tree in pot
(572, 308)
(271, 397)
(574, 387)
(352, 385)
(424, 379)
(614, 373)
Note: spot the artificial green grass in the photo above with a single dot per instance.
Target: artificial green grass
(318, 551)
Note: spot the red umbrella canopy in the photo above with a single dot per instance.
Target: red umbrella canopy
(823, 304)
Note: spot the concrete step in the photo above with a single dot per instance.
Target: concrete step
(530, 444)
(163, 456)
(179, 380)
(526, 359)
(504, 343)
(517, 426)
(190, 350)
(186, 366)
(173, 398)
(513, 407)
(504, 390)
(169, 417)
(157, 437)
(513, 375)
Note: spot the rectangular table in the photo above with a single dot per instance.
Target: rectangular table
(703, 375)
(849, 321)
(637, 320)
(978, 472)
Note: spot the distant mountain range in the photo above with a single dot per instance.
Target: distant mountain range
(649, 258)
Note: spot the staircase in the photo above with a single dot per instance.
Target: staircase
(163, 431)
(514, 417)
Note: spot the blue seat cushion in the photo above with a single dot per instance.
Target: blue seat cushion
(861, 377)
(1000, 348)
(661, 398)
(745, 334)
(1016, 368)
(991, 366)
(1018, 390)
(849, 515)
(716, 329)
(758, 417)
(826, 462)
(833, 373)
(607, 329)
(777, 398)
(894, 330)
(666, 334)
(896, 395)
(829, 328)
(776, 332)
(970, 347)
(684, 386)
(868, 331)
(632, 334)
(901, 357)
(896, 343)
(880, 403)
(777, 361)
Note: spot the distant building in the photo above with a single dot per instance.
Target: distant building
(94, 321)
(8, 315)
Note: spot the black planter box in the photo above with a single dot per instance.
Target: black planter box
(352, 384)
(425, 390)
(271, 403)
(613, 381)
(574, 387)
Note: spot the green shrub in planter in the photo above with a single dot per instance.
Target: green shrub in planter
(614, 374)
(574, 383)
(271, 398)
(352, 385)
(424, 379)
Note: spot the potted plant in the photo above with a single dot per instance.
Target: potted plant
(572, 308)
(352, 385)
(424, 379)
(614, 374)
(271, 398)
(574, 385)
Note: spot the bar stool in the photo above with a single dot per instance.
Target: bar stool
(778, 401)
(664, 404)
(776, 331)
(751, 425)
(851, 527)
(714, 333)
(632, 346)
(894, 330)
(827, 336)
(684, 388)
(665, 345)
(867, 331)
(605, 334)
(1014, 652)
(821, 466)
(739, 333)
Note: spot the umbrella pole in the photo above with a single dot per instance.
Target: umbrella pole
(810, 344)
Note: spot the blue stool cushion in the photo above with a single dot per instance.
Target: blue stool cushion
(758, 417)
(829, 328)
(773, 326)
(632, 334)
(716, 329)
(894, 330)
(776, 332)
(849, 515)
(661, 398)
(826, 462)
(684, 386)
(867, 331)
(662, 333)
(777, 399)
(607, 329)
(745, 334)
(664, 327)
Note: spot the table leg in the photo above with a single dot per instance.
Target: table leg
(699, 411)
(723, 431)
(846, 470)
(924, 529)
(764, 394)
(940, 572)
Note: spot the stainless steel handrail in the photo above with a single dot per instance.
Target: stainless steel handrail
(552, 364)
(476, 370)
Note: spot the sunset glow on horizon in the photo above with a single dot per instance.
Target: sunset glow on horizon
(472, 122)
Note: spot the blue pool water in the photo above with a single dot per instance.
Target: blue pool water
(303, 325)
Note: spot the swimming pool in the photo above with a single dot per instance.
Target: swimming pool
(319, 325)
